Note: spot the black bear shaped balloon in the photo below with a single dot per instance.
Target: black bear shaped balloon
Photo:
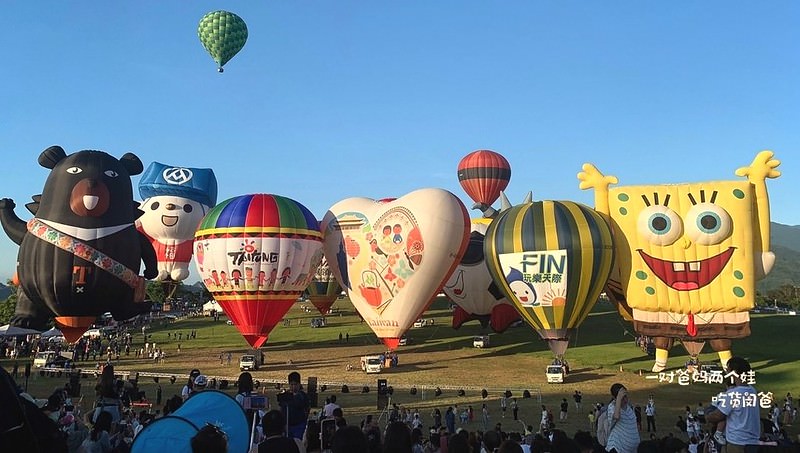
(80, 255)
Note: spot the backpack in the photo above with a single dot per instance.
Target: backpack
(603, 427)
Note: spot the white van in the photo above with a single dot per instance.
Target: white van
(248, 363)
(555, 374)
(481, 341)
(43, 358)
(371, 364)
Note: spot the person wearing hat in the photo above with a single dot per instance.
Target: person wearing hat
(200, 383)
(273, 424)
(623, 436)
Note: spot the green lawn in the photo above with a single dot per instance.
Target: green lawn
(603, 352)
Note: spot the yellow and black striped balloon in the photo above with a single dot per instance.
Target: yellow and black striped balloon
(574, 230)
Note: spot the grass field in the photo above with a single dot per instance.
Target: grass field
(603, 352)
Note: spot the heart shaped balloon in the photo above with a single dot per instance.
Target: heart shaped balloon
(393, 257)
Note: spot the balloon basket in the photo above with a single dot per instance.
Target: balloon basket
(73, 327)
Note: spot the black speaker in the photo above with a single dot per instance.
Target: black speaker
(383, 401)
(74, 385)
(383, 388)
(311, 391)
(484, 394)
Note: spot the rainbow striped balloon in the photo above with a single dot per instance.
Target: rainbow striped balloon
(551, 259)
(256, 255)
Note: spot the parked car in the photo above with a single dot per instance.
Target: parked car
(555, 374)
(248, 363)
(481, 341)
(60, 362)
(43, 358)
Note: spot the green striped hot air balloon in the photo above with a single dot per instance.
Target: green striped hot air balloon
(551, 259)
(223, 34)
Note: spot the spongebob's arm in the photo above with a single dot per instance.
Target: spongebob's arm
(591, 178)
(762, 167)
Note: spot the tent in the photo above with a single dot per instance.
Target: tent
(52, 333)
(13, 331)
(211, 306)
(176, 430)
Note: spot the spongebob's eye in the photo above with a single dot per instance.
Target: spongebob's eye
(111, 173)
(708, 224)
(74, 170)
(660, 225)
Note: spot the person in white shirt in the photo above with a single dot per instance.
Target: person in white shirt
(187, 389)
(327, 410)
(623, 435)
(742, 419)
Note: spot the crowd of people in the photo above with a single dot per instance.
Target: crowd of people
(288, 424)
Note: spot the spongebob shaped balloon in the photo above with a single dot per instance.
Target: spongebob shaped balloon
(689, 255)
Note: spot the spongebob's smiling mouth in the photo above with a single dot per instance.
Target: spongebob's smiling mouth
(687, 275)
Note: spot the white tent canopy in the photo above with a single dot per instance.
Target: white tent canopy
(210, 306)
(52, 333)
(12, 331)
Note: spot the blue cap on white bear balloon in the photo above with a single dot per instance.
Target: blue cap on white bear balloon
(198, 184)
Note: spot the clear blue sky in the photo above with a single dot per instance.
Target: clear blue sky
(333, 99)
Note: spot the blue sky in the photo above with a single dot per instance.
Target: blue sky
(333, 99)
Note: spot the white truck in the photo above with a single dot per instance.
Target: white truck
(248, 362)
(481, 341)
(556, 374)
(371, 364)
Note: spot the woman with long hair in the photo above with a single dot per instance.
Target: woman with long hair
(99, 440)
(311, 438)
(253, 412)
(417, 441)
(397, 438)
(108, 399)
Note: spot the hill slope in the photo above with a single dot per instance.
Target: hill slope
(786, 235)
(786, 246)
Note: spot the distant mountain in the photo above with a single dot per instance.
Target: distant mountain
(785, 235)
(196, 287)
(786, 246)
(5, 291)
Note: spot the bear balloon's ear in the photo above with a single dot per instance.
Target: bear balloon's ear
(51, 156)
(137, 211)
(132, 164)
(33, 206)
